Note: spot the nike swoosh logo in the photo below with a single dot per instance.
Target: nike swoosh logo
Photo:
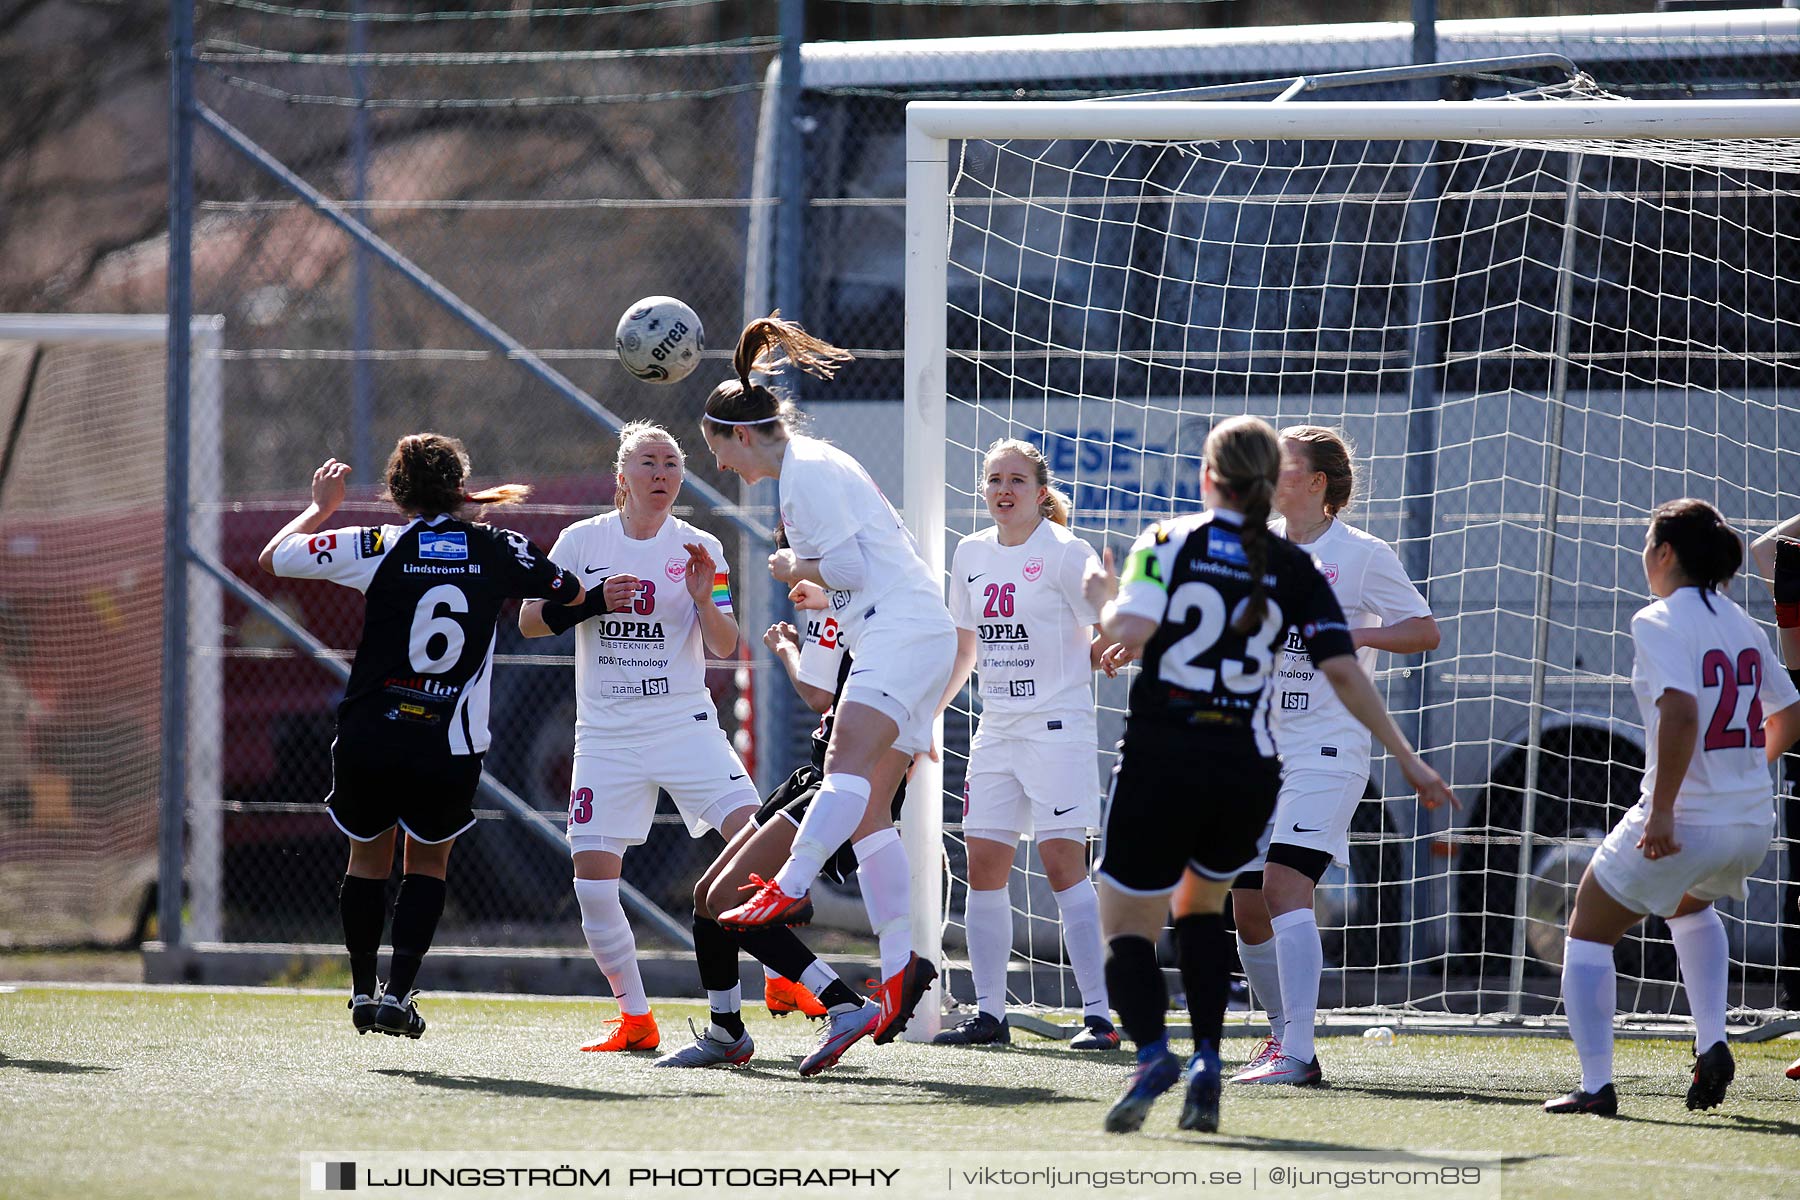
(592, 570)
(1297, 829)
(740, 777)
(1060, 811)
(973, 578)
(857, 672)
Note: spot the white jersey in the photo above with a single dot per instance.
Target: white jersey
(1703, 644)
(1032, 627)
(639, 673)
(828, 500)
(1312, 726)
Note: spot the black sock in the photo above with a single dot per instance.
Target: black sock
(417, 907)
(716, 952)
(363, 905)
(838, 993)
(780, 949)
(732, 1022)
(1203, 952)
(1135, 984)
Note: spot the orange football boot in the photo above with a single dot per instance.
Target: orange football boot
(628, 1031)
(784, 996)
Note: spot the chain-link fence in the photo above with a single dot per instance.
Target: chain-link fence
(546, 166)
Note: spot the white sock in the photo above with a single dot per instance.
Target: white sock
(989, 918)
(727, 1001)
(1079, 906)
(1590, 989)
(830, 819)
(1705, 958)
(770, 972)
(817, 977)
(887, 895)
(609, 939)
(1302, 961)
(1263, 969)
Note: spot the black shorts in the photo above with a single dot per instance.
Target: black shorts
(791, 799)
(377, 783)
(1185, 799)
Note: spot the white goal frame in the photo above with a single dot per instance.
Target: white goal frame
(931, 127)
(204, 599)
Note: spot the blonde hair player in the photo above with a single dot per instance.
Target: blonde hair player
(644, 720)
(1718, 708)
(412, 727)
(1016, 598)
(843, 535)
(1207, 601)
(1324, 750)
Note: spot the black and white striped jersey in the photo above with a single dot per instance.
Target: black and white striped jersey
(1191, 575)
(433, 591)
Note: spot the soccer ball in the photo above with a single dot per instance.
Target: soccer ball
(660, 339)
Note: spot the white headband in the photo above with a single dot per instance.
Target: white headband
(761, 421)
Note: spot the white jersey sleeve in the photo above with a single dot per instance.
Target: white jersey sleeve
(829, 505)
(814, 512)
(1662, 654)
(1143, 591)
(821, 652)
(961, 611)
(348, 556)
(1077, 554)
(1387, 591)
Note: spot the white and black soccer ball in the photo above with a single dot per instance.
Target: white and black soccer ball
(660, 339)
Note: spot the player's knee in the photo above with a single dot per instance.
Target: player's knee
(702, 900)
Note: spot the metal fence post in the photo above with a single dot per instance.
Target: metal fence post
(173, 766)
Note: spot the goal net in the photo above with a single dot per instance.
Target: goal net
(82, 463)
(1534, 319)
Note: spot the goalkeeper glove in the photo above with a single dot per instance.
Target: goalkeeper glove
(1787, 583)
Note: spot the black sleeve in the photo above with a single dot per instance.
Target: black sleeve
(1315, 612)
(563, 617)
(534, 574)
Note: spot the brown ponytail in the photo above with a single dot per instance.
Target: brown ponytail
(738, 402)
(425, 475)
(1245, 457)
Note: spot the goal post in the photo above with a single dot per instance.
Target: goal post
(1535, 318)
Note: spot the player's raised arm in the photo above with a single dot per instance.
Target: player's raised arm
(328, 485)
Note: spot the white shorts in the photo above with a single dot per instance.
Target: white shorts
(1713, 864)
(1051, 789)
(900, 668)
(612, 798)
(1314, 811)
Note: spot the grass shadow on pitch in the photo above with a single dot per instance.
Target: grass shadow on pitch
(530, 1089)
(1739, 1121)
(48, 1066)
(1437, 1095)
(947, 1091)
